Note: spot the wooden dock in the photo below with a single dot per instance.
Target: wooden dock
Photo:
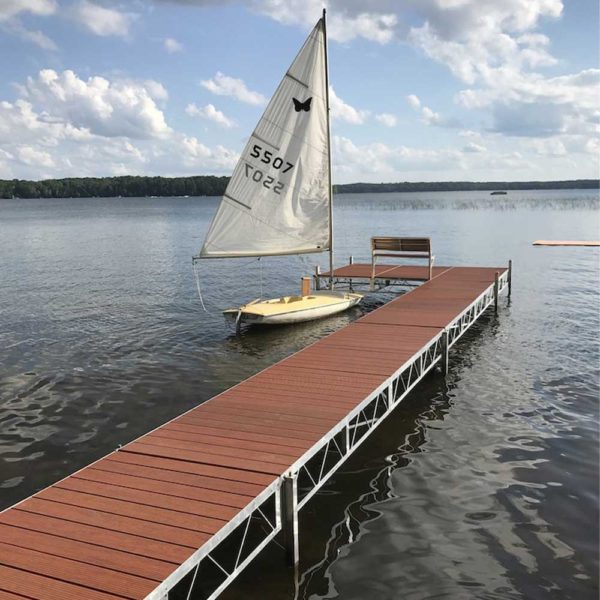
(592, 243)
(187, 506)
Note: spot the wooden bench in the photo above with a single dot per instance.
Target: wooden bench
(410, 247)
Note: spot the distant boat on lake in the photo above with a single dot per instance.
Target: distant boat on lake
(498, 193)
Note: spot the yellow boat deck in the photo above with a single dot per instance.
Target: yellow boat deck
(287, 304)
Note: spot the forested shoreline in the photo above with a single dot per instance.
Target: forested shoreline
(209, 185)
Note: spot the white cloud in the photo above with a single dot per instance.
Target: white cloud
(473, 37)
(102, 21)
(15, 27)
(343, 111)
(429, 116)
(374, 27)
(156, 89)
(210, 113)
(172, 45)
(381, 162)
(194, 148)
(34, 157)
(549, 147)
(11, 8)
(528, 120)
(373, 20)
(10, 23)
(536, 106)
(494, 48)
(117, 108)
(21, 124)
(508, 161)
(196, 154)
(387, 119)
(64, 126)
(473, 147)
(413, 101)
(223, 85)
(38, 38)
(346, 20)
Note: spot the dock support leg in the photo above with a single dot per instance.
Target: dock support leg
(289, 518)
(351, 262)
(496, 292)
(509, 277)
(317, 277)
(445, 352)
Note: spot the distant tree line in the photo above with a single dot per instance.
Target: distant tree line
(108, 187)
(464, 186)
(209, 185)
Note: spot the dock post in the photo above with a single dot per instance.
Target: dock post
(445, 351)
(496, 292)
(509, 277)
(289, 518)
(317, 277)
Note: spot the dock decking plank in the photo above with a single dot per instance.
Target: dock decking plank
(70, 571)
(137, 482)
(214, 433)
(267, 454)
(128, 508)
(12, 596)
(38, 587)
(307, 433)
(189, 480)
(150, 499)
(111, 531)
(273, 468)
(114, 559)
(227, 441)
(190, 467)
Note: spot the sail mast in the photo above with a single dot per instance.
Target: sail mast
(328, 152)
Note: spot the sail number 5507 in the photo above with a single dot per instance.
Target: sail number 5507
(258, 176)
(267, 158)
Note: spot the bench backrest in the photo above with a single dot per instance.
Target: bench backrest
(394, 246)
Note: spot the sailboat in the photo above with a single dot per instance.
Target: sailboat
(279, 198)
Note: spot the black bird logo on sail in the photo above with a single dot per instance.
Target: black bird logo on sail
(300, 106)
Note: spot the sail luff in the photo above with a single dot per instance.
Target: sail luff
(329, 170)
(277, 200)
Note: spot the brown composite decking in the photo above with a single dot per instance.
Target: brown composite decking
(119, 527)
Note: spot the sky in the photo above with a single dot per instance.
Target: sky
(421, 90)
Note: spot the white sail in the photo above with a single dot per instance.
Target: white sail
(277, 201)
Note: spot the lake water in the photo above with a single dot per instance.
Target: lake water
(481, 485)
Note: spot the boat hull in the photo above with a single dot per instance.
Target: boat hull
(293, 309)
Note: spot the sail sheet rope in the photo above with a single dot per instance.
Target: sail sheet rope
(195, 261)
(197, 278)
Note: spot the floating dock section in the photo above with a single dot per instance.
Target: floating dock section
(182, 510)
(566, 243)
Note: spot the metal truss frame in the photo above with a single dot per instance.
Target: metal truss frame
(263, 512)
(276, 508)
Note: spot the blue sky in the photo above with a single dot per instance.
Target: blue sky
(422, 90)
